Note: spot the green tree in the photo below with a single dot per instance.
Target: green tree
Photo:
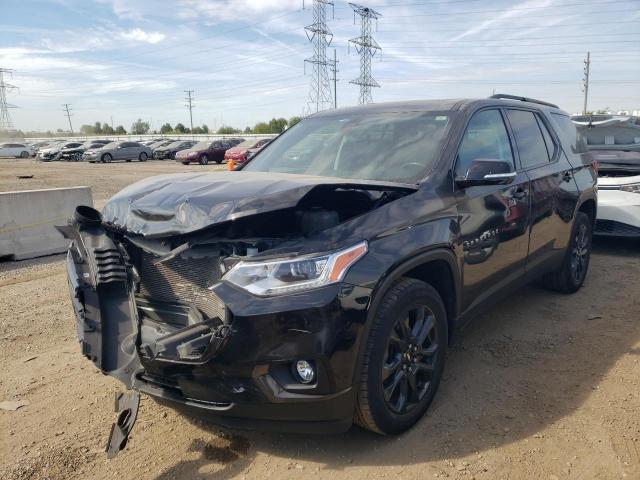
(166, 128)
(227, 130)
(139, 127)
(277, 125)
(180, 128)
(293, 121)
(261, 128)
(107, 129)
(87, 130)
(97, 128)
(205, 129)
(120, 130)
(247, 129)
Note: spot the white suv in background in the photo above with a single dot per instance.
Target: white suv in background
(618, 193)
(20, 150)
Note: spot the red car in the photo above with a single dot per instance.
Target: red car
(205, 152)
(239, 153)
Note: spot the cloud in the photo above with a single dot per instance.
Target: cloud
(140, 35)
(518, 10)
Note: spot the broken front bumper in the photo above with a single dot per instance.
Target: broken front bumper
(237, 368)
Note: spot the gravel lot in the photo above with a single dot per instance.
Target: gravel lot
(542, 386)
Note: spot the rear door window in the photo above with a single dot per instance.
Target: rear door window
(529, 139)
(568, 132)
(486, 138)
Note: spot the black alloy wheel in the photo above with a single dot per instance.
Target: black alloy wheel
(573, 271)
(410, 359)
(403, 357)
(580, 253)
(204, 160)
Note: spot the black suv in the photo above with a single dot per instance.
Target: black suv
(322, 282)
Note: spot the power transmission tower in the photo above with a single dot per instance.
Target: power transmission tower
(5, 119)
(318, 33)
(585, 81)
(366, 47)
(67, 108)
(190, 106)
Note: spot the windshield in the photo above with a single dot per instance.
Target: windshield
(201, 145)
(389, 146)
(111, 145)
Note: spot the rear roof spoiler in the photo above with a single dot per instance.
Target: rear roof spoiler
(522, 99)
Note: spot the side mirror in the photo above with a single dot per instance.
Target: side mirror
(483, 171)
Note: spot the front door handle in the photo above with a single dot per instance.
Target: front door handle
(520, 193)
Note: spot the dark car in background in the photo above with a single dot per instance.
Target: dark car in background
(118, 151)
(51, 153)
(321, 283)
(205, 152)
(240, 153)
(168, 152)
(74, 154)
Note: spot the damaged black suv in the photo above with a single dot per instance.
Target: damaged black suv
(321, 283)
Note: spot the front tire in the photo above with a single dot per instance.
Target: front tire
(204, 160)
(571, 275)
(106, 158)
(24, 154)
(404, 358)
(143, 157)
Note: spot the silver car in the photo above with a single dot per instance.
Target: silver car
(118, 151)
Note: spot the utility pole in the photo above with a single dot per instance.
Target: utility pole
(335, 79)
(585, 81)
(190, 106)
(320, 36)
(366, 47)
(67, 107)
(5, 119)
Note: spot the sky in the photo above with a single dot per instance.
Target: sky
(119, 60)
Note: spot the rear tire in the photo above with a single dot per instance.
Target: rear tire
(204, 160)
(571, 275)
(404, 358)
(24, 154)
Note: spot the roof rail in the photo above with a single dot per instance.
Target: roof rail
(523, 99)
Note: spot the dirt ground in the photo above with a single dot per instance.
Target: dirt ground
(542, 386)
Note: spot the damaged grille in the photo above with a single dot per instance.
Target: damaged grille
(183, 281)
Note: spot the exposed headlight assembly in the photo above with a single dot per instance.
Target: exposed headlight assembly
(632, 187)
(276, 277)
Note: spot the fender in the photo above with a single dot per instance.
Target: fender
(397, 271)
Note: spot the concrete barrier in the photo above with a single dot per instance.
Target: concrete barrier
(27, 220)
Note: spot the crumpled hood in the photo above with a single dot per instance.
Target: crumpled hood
(183, 203)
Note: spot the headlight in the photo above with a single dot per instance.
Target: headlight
(275, 277)
(633, 188)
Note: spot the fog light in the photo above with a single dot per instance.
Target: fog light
(305, 371)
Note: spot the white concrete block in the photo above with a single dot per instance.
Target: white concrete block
(27, 220)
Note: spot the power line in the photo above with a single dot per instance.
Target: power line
(366, 46)
(5, 118)
(67, 109)
(190, 105)
(585, 81)
(320, 97)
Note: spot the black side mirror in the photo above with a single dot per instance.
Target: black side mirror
(483, 171)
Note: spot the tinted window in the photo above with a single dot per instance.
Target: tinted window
(529, 140)
(568, 133)
(217, 145)
(134, 144)
(486, 138)
(548, 141)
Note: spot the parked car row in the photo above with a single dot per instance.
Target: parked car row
(17, 150)
(208, 151)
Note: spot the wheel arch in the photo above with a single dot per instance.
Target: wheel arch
(590, 207)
